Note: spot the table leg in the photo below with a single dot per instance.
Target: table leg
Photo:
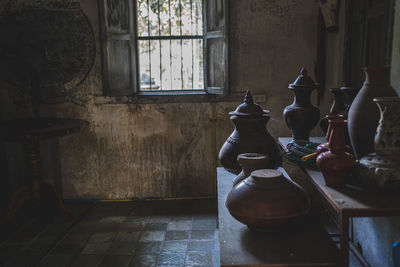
(344, 239)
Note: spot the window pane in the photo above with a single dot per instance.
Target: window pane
(178, 67)
(197, 14)
(175, 17)
(165, 17)
(198, 78)
(144, 65)
(143, 18)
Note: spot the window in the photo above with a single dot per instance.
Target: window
(161, 46)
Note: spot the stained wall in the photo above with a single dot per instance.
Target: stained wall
(134, 150)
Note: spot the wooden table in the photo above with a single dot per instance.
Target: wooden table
(305, 244)
(30, 131)
(348, 202)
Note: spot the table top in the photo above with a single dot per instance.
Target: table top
(39, 127)
(305, 244)
(351, 199)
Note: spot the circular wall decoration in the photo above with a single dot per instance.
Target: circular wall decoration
(56, 41)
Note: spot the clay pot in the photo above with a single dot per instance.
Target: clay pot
(267, 200)
(250, 162)
(382, 169)
(325, 146)
(364, 114)
(301, 116)
(338, 107)
(335, 163)
(249, 136)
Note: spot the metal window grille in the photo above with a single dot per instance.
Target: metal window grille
(170, 42)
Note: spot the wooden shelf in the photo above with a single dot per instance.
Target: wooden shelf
(349, 201)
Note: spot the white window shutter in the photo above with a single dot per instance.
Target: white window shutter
(216, 60)
(119, 55)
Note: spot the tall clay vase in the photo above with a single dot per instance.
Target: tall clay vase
(301, 116)
(249, 136)
(335, 164)
(364, 115)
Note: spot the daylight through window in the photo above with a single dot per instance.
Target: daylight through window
(170, 44)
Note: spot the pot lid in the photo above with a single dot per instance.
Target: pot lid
(303, 80)
(248, 108)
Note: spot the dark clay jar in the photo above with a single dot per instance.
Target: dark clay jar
(267, 200)
(249, 136)
(301, 116)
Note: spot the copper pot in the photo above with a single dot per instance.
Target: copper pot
(267, 200)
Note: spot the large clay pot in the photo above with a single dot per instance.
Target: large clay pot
(382, 169)
(267, 200)
(249, 136)
(335, 164)
(249, 163)
(301, 116)
(364, 114)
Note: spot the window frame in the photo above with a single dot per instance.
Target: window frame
(133, 92)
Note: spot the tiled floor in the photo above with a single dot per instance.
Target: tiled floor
(149, 233)
(169, 233)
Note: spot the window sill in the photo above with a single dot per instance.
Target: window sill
(168, 97)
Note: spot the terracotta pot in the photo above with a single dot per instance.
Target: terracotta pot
(364, 114)
(267, 200)
(325, 146)
(250, 162)
(301, 116)
(338, 107)
(249, 136)
(381, 170)
(335, 164)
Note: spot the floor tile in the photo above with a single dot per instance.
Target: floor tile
(87, 261)
(174, 246)
(148, 247)
(65, 249)
(113, 219)
(122, 248)
(96, 248)
(101, 237)
(143, 260)
(75, 238)
(136, 219)
(115, 260)
(156, 226)
(56, 260)
(177, 235)
(202, 234)
(198, 245)
(179, 225)
(127, 237)
(130, 227)
(158, 219)
(149, 236)
(199, 259)
(204, 223)
(171, 259)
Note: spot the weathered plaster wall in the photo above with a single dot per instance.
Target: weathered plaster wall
(170, 149)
